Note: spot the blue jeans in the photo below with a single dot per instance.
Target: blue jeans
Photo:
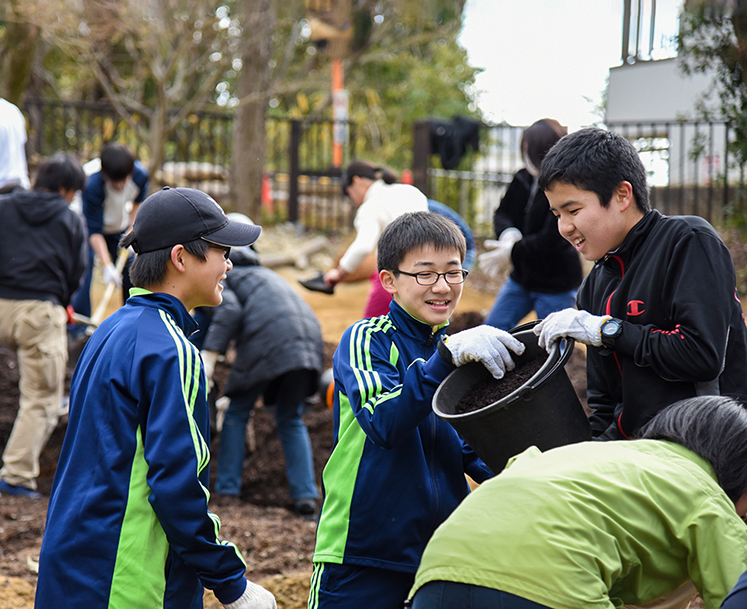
(294, 437)
(514, 302)
(453, 595)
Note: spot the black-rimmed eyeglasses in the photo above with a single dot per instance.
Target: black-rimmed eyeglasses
(431, 277)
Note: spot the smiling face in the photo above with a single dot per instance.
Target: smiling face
(592, 229)
(206, 277)
(431, 304)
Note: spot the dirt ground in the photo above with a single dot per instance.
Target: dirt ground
(276, 544)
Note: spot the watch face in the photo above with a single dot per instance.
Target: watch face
(610, 327)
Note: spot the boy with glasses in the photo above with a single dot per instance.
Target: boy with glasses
(397, 471)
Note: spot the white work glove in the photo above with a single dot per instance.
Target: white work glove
(112, 276)
(254, 597)
(494, 262)
(580, 325)
(485, 344)
(208, 361)
(221, 407)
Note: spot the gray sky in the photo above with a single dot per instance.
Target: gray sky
(542, 58)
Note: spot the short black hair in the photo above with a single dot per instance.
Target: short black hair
(415, 230)
(117, 161)
(149, 268)
(60, 171)
(712, 426)
(596, 160)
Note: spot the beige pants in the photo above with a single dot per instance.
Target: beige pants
(36, 331)
(679, 599)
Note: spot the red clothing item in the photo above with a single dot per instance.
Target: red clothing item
(378, 298)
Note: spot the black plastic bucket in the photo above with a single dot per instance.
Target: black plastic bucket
(544, 412)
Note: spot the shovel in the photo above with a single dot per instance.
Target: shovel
(98, 314)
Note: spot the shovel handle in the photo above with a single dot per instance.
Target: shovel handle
(98, 314)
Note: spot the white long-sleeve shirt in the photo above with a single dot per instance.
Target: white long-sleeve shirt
(382, 204)
(13, 167)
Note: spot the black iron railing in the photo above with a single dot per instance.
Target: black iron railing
(300, 184)
(691, 169)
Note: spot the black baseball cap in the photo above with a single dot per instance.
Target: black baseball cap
(178, 215)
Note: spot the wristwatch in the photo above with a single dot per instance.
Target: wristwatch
(611, 328)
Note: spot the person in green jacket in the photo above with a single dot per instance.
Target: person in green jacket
(602, 524)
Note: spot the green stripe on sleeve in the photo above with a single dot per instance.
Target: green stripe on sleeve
(189, 372)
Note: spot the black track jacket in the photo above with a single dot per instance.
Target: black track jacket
(672, 283)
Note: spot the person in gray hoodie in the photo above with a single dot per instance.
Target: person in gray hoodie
(279, 348)
(42, 246)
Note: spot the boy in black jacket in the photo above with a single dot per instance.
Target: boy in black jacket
(660, 308)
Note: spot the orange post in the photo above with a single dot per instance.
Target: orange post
(339, 112)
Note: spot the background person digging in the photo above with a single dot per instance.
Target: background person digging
(546, 269)
(379, 200)
(110, 202)
(278, 355)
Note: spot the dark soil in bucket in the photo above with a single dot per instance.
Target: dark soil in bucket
(491, 390)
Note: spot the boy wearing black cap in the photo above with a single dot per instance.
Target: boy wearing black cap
(128, 522)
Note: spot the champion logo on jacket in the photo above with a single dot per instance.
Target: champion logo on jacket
(636, 307)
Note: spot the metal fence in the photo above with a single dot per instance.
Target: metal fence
(689, 167)
(305, 186)
(197, 153)
(481, 189)
(300, 183)
(476, 187)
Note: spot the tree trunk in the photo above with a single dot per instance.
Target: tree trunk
(258, 22)
(739, 20)
(157, 142)
(17, 60)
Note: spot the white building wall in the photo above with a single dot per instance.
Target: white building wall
(649, 94)
(653, 91)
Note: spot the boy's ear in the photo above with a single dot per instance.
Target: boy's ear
(623, 196)
(387, 281)
(178, 255)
